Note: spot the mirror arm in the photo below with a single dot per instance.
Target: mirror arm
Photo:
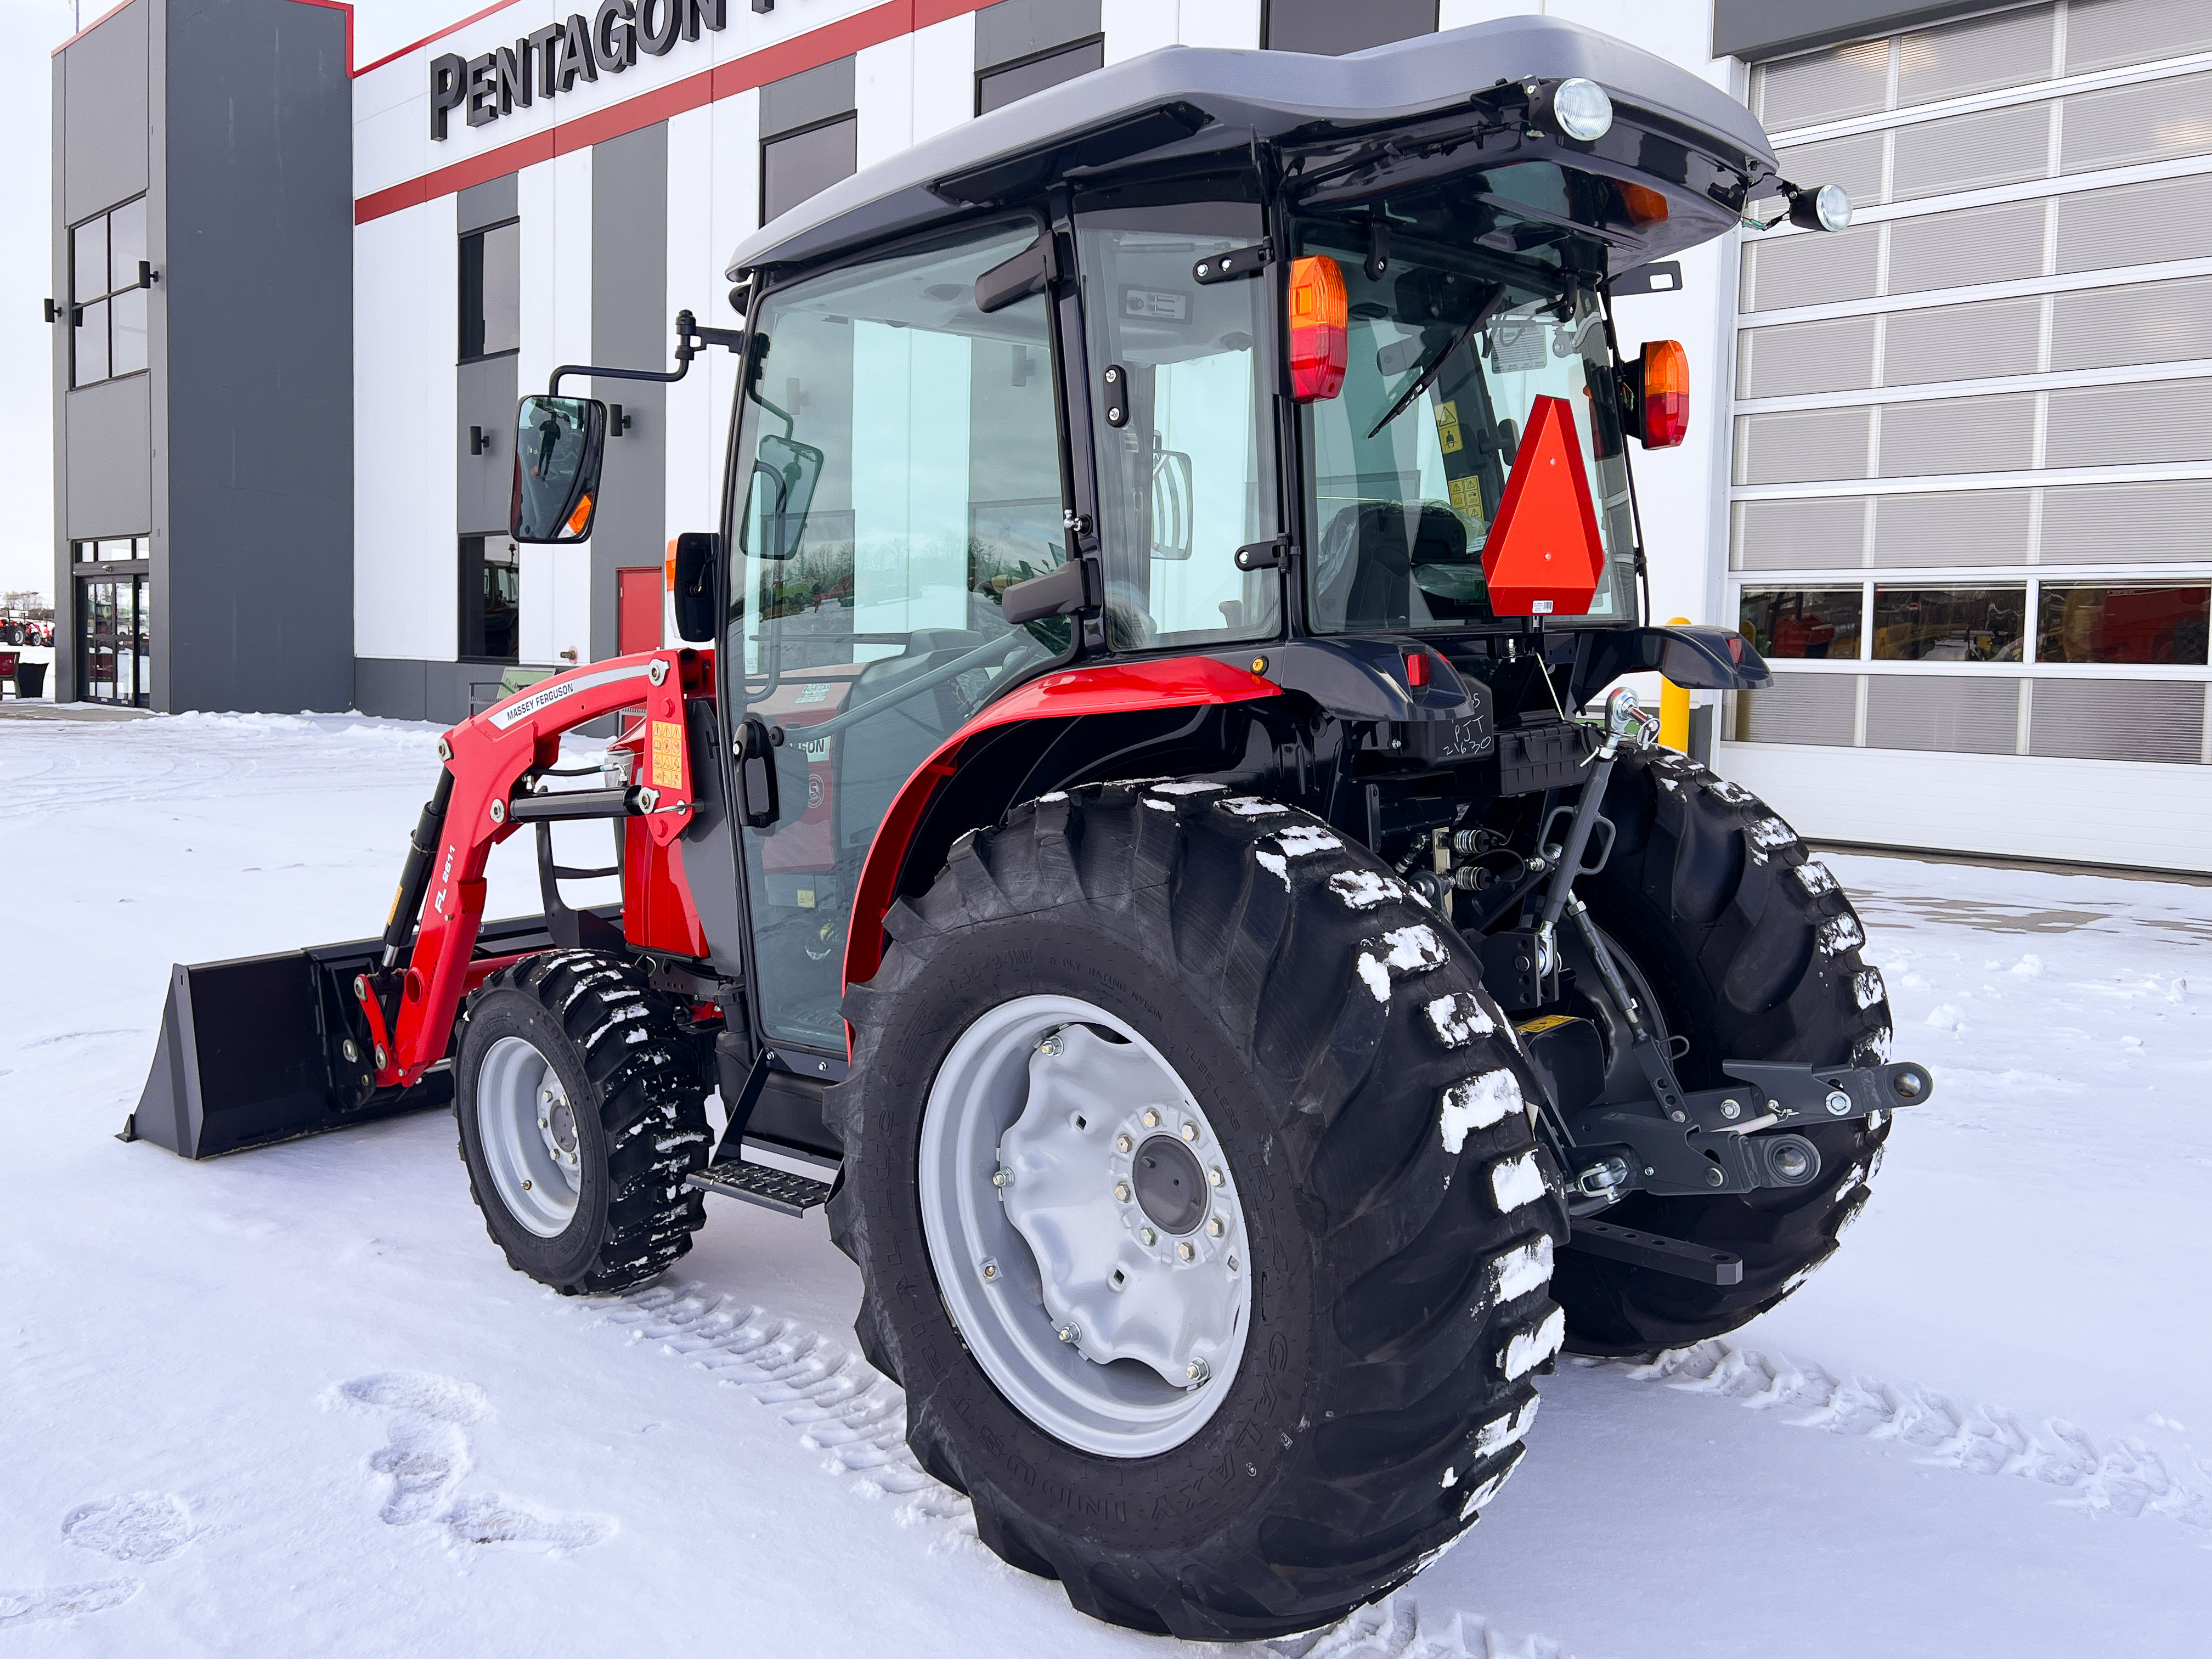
(692, 339)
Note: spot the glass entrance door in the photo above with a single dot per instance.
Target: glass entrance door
(114, 640)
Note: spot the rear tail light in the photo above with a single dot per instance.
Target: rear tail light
(1417, 668)
(1319, 318)
(1664, 372)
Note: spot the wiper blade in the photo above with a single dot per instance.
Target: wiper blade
(1427, 378)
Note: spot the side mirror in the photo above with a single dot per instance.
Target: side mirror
(692, 558)
(558, 443)
(785, 473)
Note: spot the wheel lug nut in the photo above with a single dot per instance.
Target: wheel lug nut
(1198, 1371)
(1122, 1191)
(1183, 1252)
(1151, 1119)
(1215, 1175)
(990, 1269)
(1147, 1237)
(1122, 1143)
(1214, 1229)
(1003, 1178)
(1190, 1132)
(542, 1123)
(1069, 1333)
(1053, 1045)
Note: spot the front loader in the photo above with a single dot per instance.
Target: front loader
(1147, 828)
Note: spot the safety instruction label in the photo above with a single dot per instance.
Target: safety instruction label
(667, 754)
(1448, 439)
(1467, 498)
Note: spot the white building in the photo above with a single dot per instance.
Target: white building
(1952, 468)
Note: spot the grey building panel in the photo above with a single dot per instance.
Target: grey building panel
(408, 689)
(104, 125)
(1333, 28)
(108, 438)
(259, 288)
(487, 398)
(630, 328)
(812, 95)
(489, 203)
(1015, 28)
(1768, 29)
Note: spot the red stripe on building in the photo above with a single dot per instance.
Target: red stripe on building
(841, 38)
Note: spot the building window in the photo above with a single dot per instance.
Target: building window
(1949, 624)
(114, 620)
(810, 135)
(1816, 623)
(2081, 622)
(108, 278)
(1002, 83)
(1332, 27)
(491, 291)
(491, 600)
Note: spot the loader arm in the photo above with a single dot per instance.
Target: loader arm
(439, 908)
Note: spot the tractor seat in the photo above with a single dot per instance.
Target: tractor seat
(1371, 557)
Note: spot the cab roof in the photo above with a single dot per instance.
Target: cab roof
(1200, 99)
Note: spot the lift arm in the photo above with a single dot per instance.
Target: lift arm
(439, 905)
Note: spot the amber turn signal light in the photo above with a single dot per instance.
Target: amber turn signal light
(1320, 316)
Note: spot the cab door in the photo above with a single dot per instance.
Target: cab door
(899, 466)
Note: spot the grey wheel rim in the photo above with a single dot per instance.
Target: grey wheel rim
(1084, 1221)
(529, 1132)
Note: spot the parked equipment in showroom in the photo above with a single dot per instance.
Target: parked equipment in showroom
(1140, 829)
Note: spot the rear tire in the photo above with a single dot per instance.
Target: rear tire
(593, 1201)
(1397, 1216)
(1750, 948)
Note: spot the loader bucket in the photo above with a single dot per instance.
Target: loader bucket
(245, 1056)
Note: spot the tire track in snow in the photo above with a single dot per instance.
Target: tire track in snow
(841, 1404)
(2118, 1477)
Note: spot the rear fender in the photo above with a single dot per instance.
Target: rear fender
(1109, 688)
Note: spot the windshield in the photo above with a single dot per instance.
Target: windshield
(1449, 350)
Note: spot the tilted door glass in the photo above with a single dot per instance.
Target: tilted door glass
(899, 468)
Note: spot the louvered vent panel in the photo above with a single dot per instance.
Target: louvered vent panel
(2119, 720)
(1836, 355)
(2145, 323)
(1958, 434)
(1960, 527)
(1810, 270)
(2119, 425)
(1814, 708)
(1962, 343)
(2121, 125)
(2163, 523)
(2135, 224)
(2007, 50)
(1817, 532)
(1982, 245)
(1969, 152)
(1795, 448)
(1822, 86)
(1854, 162)
(1952, 713)
(2107, 33)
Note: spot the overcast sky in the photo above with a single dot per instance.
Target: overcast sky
(26, 465)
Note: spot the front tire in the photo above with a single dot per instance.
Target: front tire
(1750, 949)
(579, 1122)
(1279, 1002)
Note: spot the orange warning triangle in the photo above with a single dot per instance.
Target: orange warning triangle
(1543, 545)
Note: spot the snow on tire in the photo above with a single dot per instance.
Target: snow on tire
(1751, 949)
(588, 1032)
(1398, 1314)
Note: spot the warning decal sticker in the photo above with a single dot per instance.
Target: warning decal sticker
(667, 754)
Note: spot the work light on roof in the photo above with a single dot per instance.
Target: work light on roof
(1828, 208)
(1582, 109)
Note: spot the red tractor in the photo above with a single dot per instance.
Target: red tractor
(1131, 834)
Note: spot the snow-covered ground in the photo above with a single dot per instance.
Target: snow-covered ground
(294, 1402)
